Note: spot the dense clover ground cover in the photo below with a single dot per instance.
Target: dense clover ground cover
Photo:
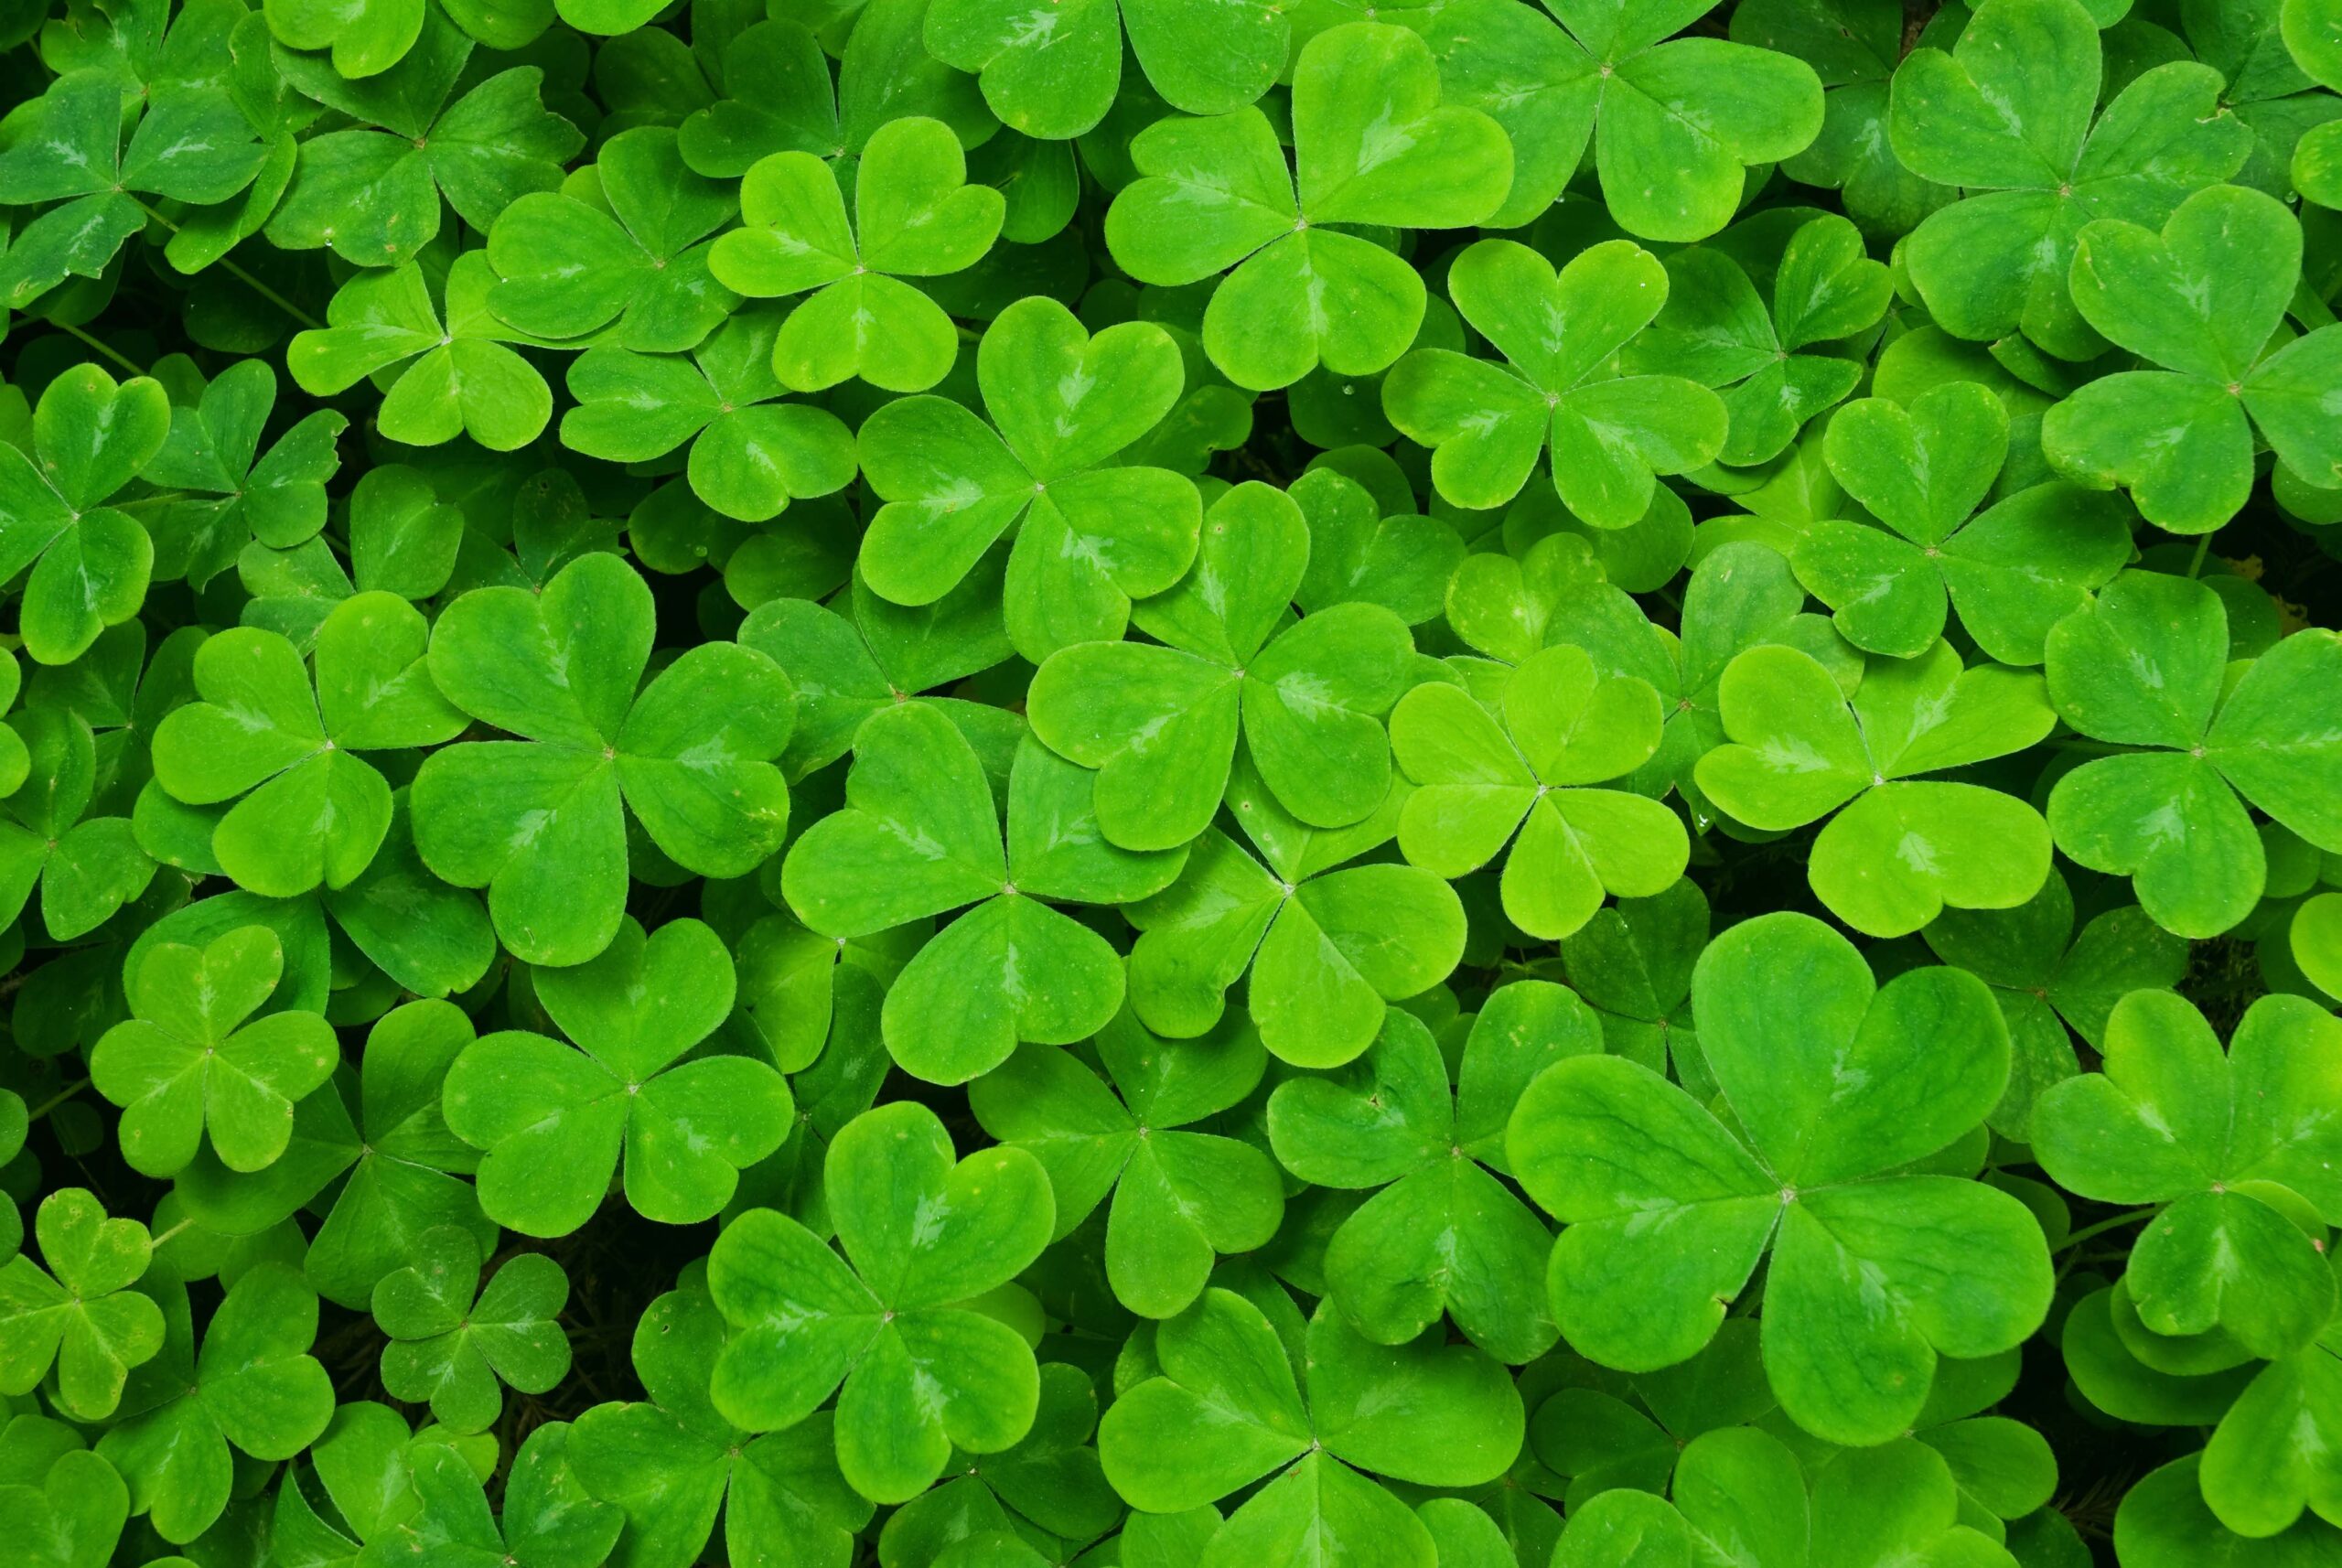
(1179, 784)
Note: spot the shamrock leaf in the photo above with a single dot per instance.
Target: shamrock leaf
(189, 1062)
(922, 1373)
(1701, 109)
(2203, 299)
(1160, 722)
(1482, 782)
(253, 1387)
(2236, 1146)
(2146, 666)
(1227, 1409)
(79, 1314)
(751, 453)
(1012, 969)
(537, 821)
(1372, 144)
(67, 147)
(1900, 850)
(89, 561)
(404, 1169)
(308, 809)
(452, 1343)
(88, 868)
(1357, 556)
(548, 1520)
(213, 450)
(1047, 1486)
(1442, 1234)
(458, 378)
(2012, 571)
(552, 1121)
(373, 192)
(914, 216)
(1834, 1082)
(1180, 1199)
(1561, 334)
(1640, 1435)
(2269, 1459)
(1718, 330)
(2008, 116)
(1328, 945)
(779, 98)
(640, 251)
(673, 1463)
(1089, 538)
(2048, 979)
(1632, 963)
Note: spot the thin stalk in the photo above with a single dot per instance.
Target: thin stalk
(54, 1101)
(2203, 548)
(108, 349)
(2130, 1217)
(155, 1242)
(250, 282)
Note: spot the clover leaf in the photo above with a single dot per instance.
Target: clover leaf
(539, 821)
(2013, 570)
(458, 378)
(65, 1507)
(1229, 1408)
(639, 238)
(1089, 537)
(1562, 333)
(1701, 109)
(1160, 722)
(1481, 782)
(89, 561)
(1328, 945)
(673, 1462)
(1048, 1487)
(552, 1120)
(2146, 666)
(915, 216)
(1632, 964)
(79, 1314)
(1372, 144)
(2202, 299)
(1834, 1082)
(1012, 969)
(1180, 1197)
(308, 809)
(2267, 1461)
(1639, 1435)
(88, 868)
(403, 1167)
(548, 1520)
(240, 493)
(922, 1371)
(2235, 1145)
(1443, 1234)
(751, 453)
(452, 1343)
(190, 1062)
(253, 1386)
(1357, 556)
(1718, 330)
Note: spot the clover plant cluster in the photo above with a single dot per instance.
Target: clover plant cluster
(1170, 784)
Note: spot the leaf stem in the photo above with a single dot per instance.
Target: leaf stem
(108, 349)
(154, 1243)
(250, 282)
(2129, 1217)
(54, 1101)
(2203, 548)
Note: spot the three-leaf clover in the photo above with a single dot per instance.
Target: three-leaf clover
(540, 821)
(1180, 1197)
(239, 492)
(2240, 1147)
(914, 216)
(194, 1060)
(922, 1371)
(452, 1343)
(1372, 144)
(2147, 665)
(79, 1314)
(1487, 423)
(89, 561)
(2011, 115)
(1089, 537)
(1159, 720)
(1834, 1084)
(918, 835)
(1047, 1487)
(308, 809)
(1443, 1234)
(2203, 299)
(2012, 571)
(64, 1504)
(548, 1522)
(1481, 781)
(1901, 848)
(553, 1120)
(1229, 1407)
(87, 866)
